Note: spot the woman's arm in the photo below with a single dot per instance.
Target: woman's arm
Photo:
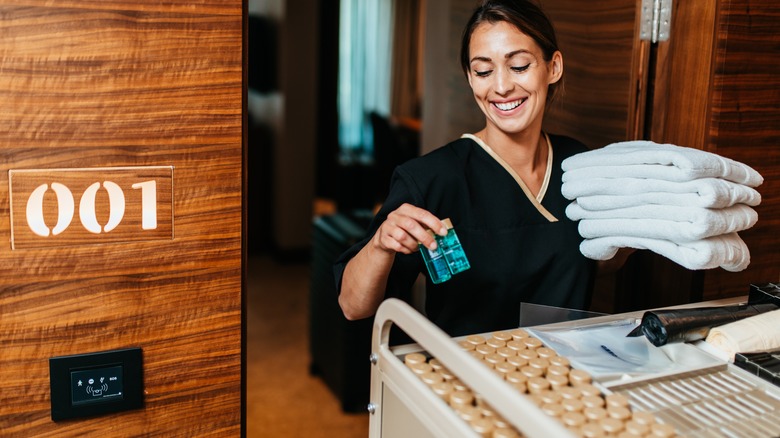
(365, 276)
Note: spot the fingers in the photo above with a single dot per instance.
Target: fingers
(408, 226)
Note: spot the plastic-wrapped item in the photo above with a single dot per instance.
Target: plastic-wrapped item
(665, 326)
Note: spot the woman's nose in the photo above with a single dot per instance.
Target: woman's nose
(503, 81)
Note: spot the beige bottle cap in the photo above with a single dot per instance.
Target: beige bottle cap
(516, 377)
(579, 377)
(496, 343)
(570, 392)
(557, 381)
(466, 345)
(431, 378)
(459, 385)
(592, 430)
(560, 361)
(540, 363)
(468, 412)
(460, 397)
(557, 370)
(545, 352)
(476, 339)
(573, 419)
(505, 368)
(619, 412)
(506, 352)
(572, 405)
(537, 384)
(483, 426)
(517, 361)
(413, 358)
(616, 400)
(527, 354)
(420, 368)
(447, 223)
(550, 396)
(587, 389)
(591, 401)
(553, 409)
(516, 345)
(486, 349)
(435, 364)
(494, 358)
(611, 425)
(447, 374)
(532, 343)
(530, 371)
(595, 414)
(504, 336)
(443, 389)
(519, 334)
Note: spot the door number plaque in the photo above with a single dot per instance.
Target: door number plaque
(67, 207)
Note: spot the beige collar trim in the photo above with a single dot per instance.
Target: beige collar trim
(536, 200)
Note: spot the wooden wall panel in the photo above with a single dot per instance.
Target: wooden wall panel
(745, 126)
(598, 45)
(106, 83)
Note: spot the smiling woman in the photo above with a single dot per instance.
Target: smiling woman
(499, 186)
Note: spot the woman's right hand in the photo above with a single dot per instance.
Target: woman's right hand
(405, 228)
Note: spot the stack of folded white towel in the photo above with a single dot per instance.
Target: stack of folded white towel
(683, 203)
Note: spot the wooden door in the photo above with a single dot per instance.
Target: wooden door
(717, 89)
(117, 113)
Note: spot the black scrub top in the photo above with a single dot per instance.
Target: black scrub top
(518, 251)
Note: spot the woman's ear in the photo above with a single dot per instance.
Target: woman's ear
(556, 67)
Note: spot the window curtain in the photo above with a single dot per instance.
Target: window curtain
(365, 56)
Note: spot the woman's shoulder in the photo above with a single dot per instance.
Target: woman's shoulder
(452, 155)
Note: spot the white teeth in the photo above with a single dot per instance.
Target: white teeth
(508, 105)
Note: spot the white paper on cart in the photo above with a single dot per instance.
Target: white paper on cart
(607, 354)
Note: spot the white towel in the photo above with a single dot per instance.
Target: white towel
(727, 251)
(705, 192)
(646, 159)
(749, 335)
(678, 224)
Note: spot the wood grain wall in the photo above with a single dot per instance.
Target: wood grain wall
(745, 126)
(109, 83)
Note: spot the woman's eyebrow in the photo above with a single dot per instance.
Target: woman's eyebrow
(516, 52)
(507, 56)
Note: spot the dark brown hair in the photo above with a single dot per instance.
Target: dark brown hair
(527, 17)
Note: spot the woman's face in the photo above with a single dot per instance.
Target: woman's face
(509, 76)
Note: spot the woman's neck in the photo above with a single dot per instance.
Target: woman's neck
(525, 152)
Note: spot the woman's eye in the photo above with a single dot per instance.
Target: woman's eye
(482, 73)
(521, 69)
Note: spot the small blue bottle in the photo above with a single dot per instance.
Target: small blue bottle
(435, 262)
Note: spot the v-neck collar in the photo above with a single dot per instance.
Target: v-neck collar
(535, 200)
